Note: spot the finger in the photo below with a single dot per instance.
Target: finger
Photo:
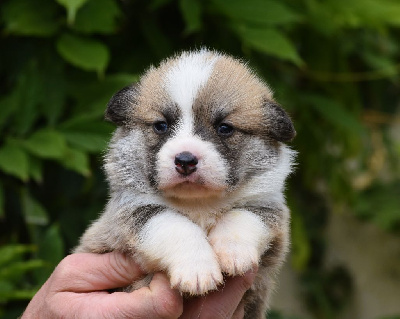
(166, 301)
(93, 272)
(158, 300)
(222, 303)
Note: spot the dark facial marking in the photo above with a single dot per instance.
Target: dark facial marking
(171, 113)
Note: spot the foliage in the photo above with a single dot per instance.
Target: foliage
(333, 65)
(13, 270)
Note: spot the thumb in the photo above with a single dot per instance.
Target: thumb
(93, 272)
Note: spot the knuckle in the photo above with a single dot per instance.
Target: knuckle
(67, 266)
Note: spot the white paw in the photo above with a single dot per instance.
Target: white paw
(235, 258)
(175, 244)
(196, 278)
(238, 240)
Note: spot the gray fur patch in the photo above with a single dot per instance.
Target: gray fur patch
(141, 215)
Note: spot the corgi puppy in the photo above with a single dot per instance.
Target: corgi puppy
(196, 168)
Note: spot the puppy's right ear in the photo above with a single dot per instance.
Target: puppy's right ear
(121, 104)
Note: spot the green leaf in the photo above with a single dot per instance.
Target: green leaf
(89, 142)
(94, 96)
(359, 13)
(33, 211)
(11, 252)
(6, 288)
(270, 41)
(51, 250)
(39, 90)
(381, 63)
(77, 161)
(51, 245)
(27, 96)
(85, 53)
(89, 136)
(35, 169)
(334, 112)
(14, 160)
(97, 16)
(17, 269)
(46, 143)
(330, 16)
(53, 87)
(256, 12)
(23, 17)
(16, 294)
(6, 291)
(191, 11)
(72, 7)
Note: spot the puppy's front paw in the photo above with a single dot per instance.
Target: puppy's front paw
(197, 277)
(235, 258)
(238, 240)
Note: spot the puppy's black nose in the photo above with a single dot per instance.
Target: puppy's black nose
(185, 163)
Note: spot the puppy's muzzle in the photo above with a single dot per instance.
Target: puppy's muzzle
(185, 163)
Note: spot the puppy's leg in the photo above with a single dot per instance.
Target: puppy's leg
(179, 246)
(244, 238)
(239, 239)
(257, 298)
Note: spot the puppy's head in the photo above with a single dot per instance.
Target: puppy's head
(199, 125)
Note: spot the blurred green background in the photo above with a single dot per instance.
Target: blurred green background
(333, 64)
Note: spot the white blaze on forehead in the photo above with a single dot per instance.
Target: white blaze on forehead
(183, 81)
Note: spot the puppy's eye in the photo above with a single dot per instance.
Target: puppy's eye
(160, 127)
(225, 129)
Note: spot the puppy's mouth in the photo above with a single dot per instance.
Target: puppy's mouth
(189, 175)
(188, 182)
(190, 186)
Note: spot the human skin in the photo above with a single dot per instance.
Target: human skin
(78, 288)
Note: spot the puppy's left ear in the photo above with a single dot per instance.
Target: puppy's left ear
(280, 126)
(121, 104)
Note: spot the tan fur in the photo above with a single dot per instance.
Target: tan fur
(233, 86)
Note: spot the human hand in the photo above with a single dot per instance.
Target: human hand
(78, 289)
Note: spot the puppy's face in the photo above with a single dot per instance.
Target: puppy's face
(198, 126)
